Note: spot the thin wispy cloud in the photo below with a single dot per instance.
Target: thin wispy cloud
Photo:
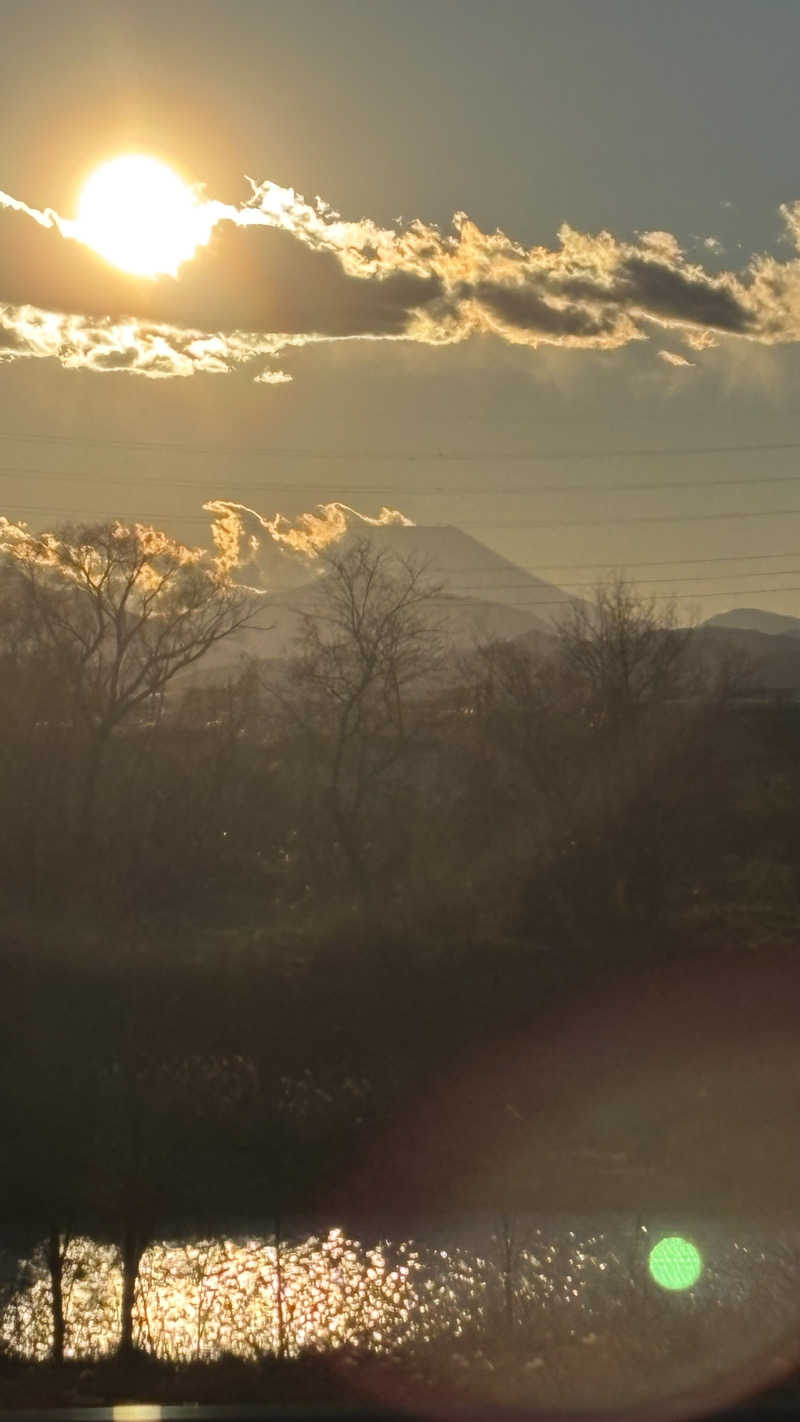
(678, 361)
(278, 272)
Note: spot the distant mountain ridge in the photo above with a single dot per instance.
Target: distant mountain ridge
(755, 619)
(468, 568)
(484, 595)
(768, 662)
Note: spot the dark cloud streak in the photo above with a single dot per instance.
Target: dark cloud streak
(670, 293)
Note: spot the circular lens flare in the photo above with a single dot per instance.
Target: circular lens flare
(138, 214)
(675, 1263)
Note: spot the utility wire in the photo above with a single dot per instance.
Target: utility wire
(661, 597)
(717, 592)
(476, 527)
(649, 563)
(551, 567)
(408, 456)
(718, 578)
(487, 490)
(469, 568)
(634, 518)
(621, 564)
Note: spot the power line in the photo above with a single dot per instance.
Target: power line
(408, 456)
(486, 490)
(476, 527)
(635, 518)
(31, 508)
(721, 577)
(619, 563)
(651, 562)
(624, 564)
(661, 597)
(567, 601)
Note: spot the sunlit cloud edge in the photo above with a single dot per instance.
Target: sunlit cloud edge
(593, 292)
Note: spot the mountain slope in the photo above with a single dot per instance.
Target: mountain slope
(467, 568)
(483, 594)
(762, 662)
(754, 619)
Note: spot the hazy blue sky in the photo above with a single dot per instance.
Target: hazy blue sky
(629, 118)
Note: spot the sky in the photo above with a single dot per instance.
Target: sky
(532, 269)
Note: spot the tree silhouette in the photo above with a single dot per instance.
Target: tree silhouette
(119, 610)
(364, 651)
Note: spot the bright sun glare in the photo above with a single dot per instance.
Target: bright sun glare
(138, 214)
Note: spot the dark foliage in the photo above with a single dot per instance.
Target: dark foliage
(292, 900)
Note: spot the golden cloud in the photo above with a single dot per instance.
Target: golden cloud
(279, 272)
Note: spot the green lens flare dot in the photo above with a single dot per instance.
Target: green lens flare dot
(675, 1263)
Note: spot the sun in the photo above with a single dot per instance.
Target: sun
(138, 214)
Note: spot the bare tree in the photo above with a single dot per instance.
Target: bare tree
(628, 650)
(119, 611)
(365, 654)
(585, 760)
(645, 705)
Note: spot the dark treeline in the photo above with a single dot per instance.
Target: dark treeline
(251, 911)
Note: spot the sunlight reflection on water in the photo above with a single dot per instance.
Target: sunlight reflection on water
(205, 1298)
(577, 1307)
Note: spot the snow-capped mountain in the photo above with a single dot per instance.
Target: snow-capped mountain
(468, 569)
(483, 594)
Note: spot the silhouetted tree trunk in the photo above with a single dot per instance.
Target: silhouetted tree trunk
(57, 1245)
(131, 1250)
(508, 1276)
(279, 1299)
